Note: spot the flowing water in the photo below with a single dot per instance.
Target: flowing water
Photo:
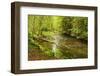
(54, 45)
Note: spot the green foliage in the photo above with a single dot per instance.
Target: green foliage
(42, 29)
(58, 53)
(67, 25)
(49, 53)
(75, 26)
(79, 27)
(50, 25)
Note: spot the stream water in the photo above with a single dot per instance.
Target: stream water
(63, 47)
(56, 42)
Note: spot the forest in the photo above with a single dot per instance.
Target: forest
(57, 37)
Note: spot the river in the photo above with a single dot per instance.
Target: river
(61, 47)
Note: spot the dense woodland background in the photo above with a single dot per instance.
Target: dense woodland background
(49, 37)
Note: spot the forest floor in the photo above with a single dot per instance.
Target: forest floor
(64, 47)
